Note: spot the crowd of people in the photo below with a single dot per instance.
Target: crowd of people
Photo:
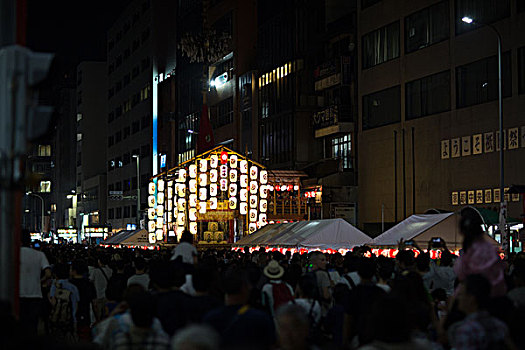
(74, 296)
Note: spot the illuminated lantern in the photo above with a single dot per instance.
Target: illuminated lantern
(264, 177)
(224, 157)
(159, 235)
(151, 188)
(224, 185)
(151, 238)
(233, 161)
(193, 228)
(277, 187)
(160, 223)
(151, 226)
(202, 207)
(254, 187)
(263, 205)
(296, 188)
(181, 219)
(233, 203)
(203, 179)
(253, 172)
(243, 208)
(203, 195)
(244, 180)
(160, 185)
(233, 175)
(160, 198)
(192, 171)
(213, 203)
(203, 165)
(151, 201)
(182, 175)
(224, 171)
(169, 206)
(182, 190)
(243, 195)
(263, 191)
(192, 200)
(160, 210)
(214, 161)
(179, 231)
(170, 192)
(213, 175)
(213, 190)
(192, 214)
(193, 186)
(170, 217)
(253, 201)
(151, 213)
(181, 204)
(243, 165)
(233, 190)
(252, 228)
(262, 219)
(290, 187)
(253, 215)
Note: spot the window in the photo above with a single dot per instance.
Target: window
(382, 108)
(145, 92)
(342, 149)
(145, 63)
(45, 186)
(79, 117)
(144, 122)
(79, 136)
(118, 186)
(135, 72)
(135, 127)
(111, 164)
(111, 187)
(44, 150)
(118, 136)
(428, 95)
(133, 211)
(521, 70)
(118, 162)
(126, 80)
(126, 211)
(368, 3)
(119, 213)
(144, 151)
(111, 213)
(381, 45)
(483, 11)
(126, 132)
(222, 113)
(126, 185)
(427, 27)
(477, 82)
(126, 158)
(134, 183)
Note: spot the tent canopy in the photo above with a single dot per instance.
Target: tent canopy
(127, 237)
(315, 234)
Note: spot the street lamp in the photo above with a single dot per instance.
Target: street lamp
(29, 193)
(137, 157)
(502, 211)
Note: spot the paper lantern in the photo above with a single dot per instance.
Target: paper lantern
(262, 219)
(202, 207)
(169, 205)
(253, 172)
(224, 184)
(252, 228)
(160, 185)
(160, 198)
(152, 238)
(253, 215)
(170, 217)
(179, 231)
(263, 191)
(159, 235)
(263, 205)
(243, 208)
(170, 183)
(233, 190)
(170, 192)
(233, 161)
(213, 203)
(160, 210)
(244, 180)
(193, 228)
(213, 175)
(243, 166)
(192, 200)
(233, 175)
(192, 214)
(203, 194)
(243, 194)
(151, 201)
(151, 213)
(151, 226)
(193, 186)
(253, 201)
(181, 204)
(182, 176)
(296, 188)
(182, 190)
(214, 161)
(224, 157)
(233, 203)
(203, 165)
(264, 177)
(171, 233)
(151, 188)
(224, 171)
(192, 171)
(213, 190)
(253, 187)
(203, 179)
(181, 219)
(160, 222)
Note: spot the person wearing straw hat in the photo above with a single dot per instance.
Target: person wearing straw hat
(276, 292)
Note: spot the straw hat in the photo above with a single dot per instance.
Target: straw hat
(273, 270)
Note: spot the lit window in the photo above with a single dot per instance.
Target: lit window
(79, 136)
(45, 186)
(79, 117)
(341, 148)
(53, 208)
(44, 150)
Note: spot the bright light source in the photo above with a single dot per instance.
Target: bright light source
(467, 19)
(220, 80)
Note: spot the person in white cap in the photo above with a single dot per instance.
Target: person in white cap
(276, 292)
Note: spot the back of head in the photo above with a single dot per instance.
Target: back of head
(198, 337)
(62, 271)
(233, 281)
(308, 286)
(446, 258)
(480, 288)
(367, 268)
(186, 237)
(202, 279)
(142, 309)
(140, 263)
(79, 266)
(406, 258)
(390, 320)
(25, 237)
(470, 226)
(423, 262)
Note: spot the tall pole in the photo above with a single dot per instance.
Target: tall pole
(502, 204)
(137, 157)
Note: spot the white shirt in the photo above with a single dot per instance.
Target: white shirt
(354, 276)
(32, 262)
(267, 293)
(100, 282)
(186, 250)
(143, 280)
(306, 304)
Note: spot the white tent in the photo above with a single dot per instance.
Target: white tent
(421, 228)
(315, 234)
(127, 237)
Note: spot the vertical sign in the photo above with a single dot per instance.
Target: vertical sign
(507, 195)
(489, 142)
(513, 138)
(515, 197)
(455, 149)
(479, 196)
(445, 149)
(497, 198)
(463, 197)
(488, 196)
(465, 146)
(455, 199)
(471, 197)
(477, 144)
